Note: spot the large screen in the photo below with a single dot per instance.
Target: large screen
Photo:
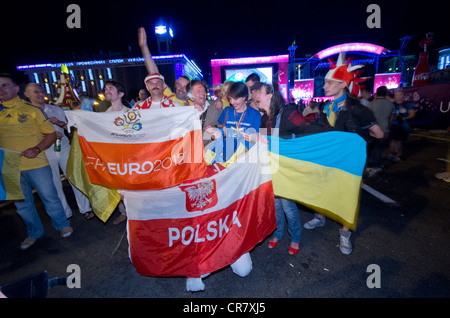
(390, 80)
(303, 89)
(239, 75)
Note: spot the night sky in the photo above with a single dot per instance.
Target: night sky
(36, 32)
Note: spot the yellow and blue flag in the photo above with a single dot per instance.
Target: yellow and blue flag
(321, 171)
(10, 177)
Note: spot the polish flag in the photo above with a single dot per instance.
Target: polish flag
(141, 149)
(205, 224)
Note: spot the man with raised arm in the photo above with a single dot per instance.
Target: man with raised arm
(180, 96)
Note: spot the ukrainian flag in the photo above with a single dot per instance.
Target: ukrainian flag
(321, 171)
(10, 178)
(214, 153)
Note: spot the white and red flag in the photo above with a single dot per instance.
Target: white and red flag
(204, 224)
(140, 149)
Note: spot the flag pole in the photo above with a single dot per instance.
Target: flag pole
(20, 153)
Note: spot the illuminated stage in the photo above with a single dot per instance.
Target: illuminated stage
(308, 74)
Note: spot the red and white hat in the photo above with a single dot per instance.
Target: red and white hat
(153, 76)
(343, 71)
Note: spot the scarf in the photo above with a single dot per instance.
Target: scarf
(331, 109)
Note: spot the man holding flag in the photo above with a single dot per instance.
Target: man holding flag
(21, 129)
(345, 113)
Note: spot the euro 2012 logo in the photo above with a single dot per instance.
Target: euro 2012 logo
(129, 120)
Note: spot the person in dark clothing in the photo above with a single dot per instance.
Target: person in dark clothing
(286, 122)
(345, 113)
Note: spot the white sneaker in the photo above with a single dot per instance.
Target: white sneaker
(344, 242)
(194, 285)
(66, 232)
(394, 158)
(27, 243)
(374, 171)
(443, 176)
(316, 222)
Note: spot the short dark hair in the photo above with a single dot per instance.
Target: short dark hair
(382, 91)
(12, 78)
(120, 88)
(253, 77)
(118, 85)
(237, 90)
(185, 77)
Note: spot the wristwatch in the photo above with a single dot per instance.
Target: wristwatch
(38, 149)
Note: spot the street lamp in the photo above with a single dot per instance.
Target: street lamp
(164, 35)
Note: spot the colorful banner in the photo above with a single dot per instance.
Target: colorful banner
(141, 149)
(321, 171)
(205, 224)
(10, 179)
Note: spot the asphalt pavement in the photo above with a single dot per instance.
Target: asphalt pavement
(399, 250)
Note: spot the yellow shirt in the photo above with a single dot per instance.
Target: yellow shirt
(21, 127)
(168, 92)
(226, 103)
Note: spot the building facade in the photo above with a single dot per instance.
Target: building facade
(88, 77)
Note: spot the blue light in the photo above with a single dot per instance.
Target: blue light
(113, 61)
(136, 59)
(47, 88)
(116, 61)
(160, 29)
(91, 62)
(108, 70)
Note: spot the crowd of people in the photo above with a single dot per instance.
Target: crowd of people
(241, 113)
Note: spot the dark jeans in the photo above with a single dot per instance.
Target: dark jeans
(375, 150)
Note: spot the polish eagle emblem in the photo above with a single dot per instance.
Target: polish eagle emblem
(200, 196)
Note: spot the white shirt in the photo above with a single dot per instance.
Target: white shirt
(123, 110)
(58, 112)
